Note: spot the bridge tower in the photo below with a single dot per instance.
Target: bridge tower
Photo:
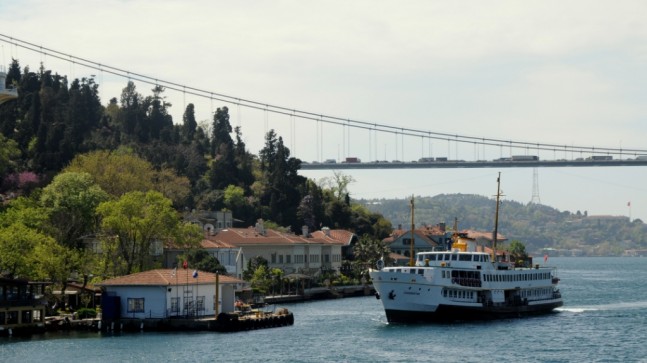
(6, 94)
(535, 187)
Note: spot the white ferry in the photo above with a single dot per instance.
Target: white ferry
(464, 284)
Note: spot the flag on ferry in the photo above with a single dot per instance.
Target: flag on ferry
(185, 264)
(545, 258)
(195, 274)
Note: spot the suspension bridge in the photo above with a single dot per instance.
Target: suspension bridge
(437, 149)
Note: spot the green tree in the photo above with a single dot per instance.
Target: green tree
(71, 199)
(261, 280)
(201, 260)
(252, 265)
(117, 172)
(282, 193)
(55, 262)
(28, 212)
(9, 152)
(132, 224)
(367, 251)
(517, 251)
(189, 125)
(176, 188)
(17, 243)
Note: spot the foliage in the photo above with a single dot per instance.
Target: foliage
(9, 152)
(537, 226)
(367, 252)
(517, 250)
(131, 224)
(252, 265)
(17, 243)
(117, 172)
(201, 260)
(71, 199)
(261, 280)
(86, 313)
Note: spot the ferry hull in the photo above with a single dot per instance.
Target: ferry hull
(449, 313)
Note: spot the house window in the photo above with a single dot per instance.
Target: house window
(175, 305)
(136, 305)
(288, 258)
(406, 241)
(274, 258)
(327, 258)
(281, 259)
(189, 307)
(199, 304)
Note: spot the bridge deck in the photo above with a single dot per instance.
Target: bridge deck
(473, 164)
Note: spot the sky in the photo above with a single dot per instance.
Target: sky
(558, 72)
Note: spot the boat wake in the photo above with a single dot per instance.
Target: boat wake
(605, 307)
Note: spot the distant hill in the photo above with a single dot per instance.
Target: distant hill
(537, 226)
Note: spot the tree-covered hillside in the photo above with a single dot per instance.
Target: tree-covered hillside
(537, 226)
(78, 175)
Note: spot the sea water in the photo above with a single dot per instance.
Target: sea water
(604, 319)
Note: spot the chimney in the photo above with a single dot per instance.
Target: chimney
(259, 227)
(304, 230)
(326, 231)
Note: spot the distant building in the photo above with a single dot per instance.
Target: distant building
(425, 238)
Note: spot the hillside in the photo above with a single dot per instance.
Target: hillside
(537, 226)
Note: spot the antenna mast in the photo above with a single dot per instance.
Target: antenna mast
(535, 187)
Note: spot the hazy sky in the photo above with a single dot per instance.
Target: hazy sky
(560, 72)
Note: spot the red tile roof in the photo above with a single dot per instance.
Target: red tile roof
(237, 237)
(420, 235)
(479, 234)
(165, 277)
(335, 235)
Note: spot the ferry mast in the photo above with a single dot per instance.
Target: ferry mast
(411, 257)
(496, 217)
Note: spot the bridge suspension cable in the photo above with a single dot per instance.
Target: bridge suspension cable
(313, 116)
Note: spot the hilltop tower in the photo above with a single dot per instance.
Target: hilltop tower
(535, 187)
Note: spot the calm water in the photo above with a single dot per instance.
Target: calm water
(604, 319)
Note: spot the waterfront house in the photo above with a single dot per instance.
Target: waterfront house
(425, 239)
(483, 239)
(347, 239)
(22, 306)
(307, 253)
(166, 293)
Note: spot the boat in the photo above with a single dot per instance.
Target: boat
(465, 284)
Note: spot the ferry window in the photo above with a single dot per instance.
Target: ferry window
(465, 257)
(447, 257)
(412, 270)
(432, 257)
(454, 257)
(421, 271)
